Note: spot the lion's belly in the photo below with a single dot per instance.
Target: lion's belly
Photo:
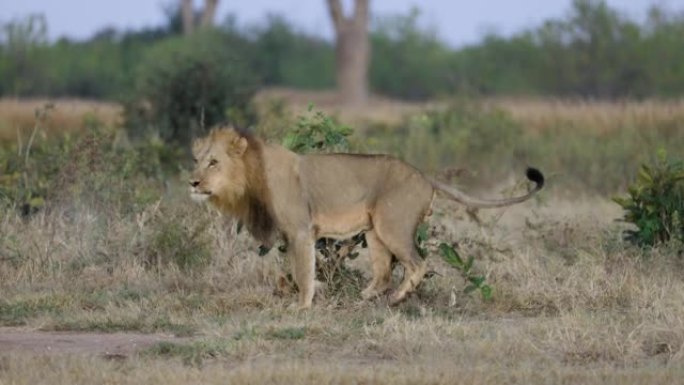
(341, 224)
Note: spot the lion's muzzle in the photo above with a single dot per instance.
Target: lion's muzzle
(196, 194)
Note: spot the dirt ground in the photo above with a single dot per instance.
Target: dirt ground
(108, 345)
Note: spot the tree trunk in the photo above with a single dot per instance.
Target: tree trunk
(352, 50)
(209, 13)
(188, 17)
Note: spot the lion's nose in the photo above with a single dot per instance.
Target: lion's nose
(194, 183)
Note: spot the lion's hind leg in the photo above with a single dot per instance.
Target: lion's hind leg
(381, 260)
(415, 269)
(396, 229)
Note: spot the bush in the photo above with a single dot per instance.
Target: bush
(188, 84)
(92, 169)
(655, 202)
(317, 132)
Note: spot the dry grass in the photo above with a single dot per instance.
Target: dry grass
(534, 114)
(572, 303)
(377, 110)
(68, 115)
(84, 370)
(597, 116)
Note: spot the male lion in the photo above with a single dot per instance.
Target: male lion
(274, 191)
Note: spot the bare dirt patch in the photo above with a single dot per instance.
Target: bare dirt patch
(19, 340)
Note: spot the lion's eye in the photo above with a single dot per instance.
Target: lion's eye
(194, 160)
(213, 162)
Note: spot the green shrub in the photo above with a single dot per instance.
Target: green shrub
(453, 258)
(474, 281)
(186, 85)
(317, 132)
(655, 202)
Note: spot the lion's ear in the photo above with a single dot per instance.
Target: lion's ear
(237, 146)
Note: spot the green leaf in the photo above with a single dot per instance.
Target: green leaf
(450, 256)
(422, 233)
(477, 280)
(622, 201)
(486, 292)
(346, 130)
(290, 141)
(645, 174)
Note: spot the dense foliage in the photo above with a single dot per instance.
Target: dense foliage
(655, 202)
(593, 51)
(187, 84)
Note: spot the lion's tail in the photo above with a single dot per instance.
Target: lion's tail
(532, 174)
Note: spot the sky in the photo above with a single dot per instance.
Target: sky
(458, 22)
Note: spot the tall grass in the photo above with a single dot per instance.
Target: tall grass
(596, 152)
(18, 116)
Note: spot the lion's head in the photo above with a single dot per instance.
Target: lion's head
(220, 173)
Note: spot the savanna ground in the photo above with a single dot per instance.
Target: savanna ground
(126, 281)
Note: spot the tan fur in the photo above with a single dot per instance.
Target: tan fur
(305, 197)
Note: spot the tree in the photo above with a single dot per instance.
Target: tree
(352, 51)
(209, 13)
(188, 15)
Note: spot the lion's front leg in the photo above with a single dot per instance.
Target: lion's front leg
(302, 255)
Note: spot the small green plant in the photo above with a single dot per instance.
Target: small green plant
(655, 202)
(317, 132)
(451, 256)
(475, 282)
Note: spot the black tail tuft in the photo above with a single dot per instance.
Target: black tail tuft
(535, 176)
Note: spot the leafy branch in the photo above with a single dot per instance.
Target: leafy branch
(452, 257)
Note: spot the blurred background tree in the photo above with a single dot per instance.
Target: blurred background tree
(352, 51)
(594, 51)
